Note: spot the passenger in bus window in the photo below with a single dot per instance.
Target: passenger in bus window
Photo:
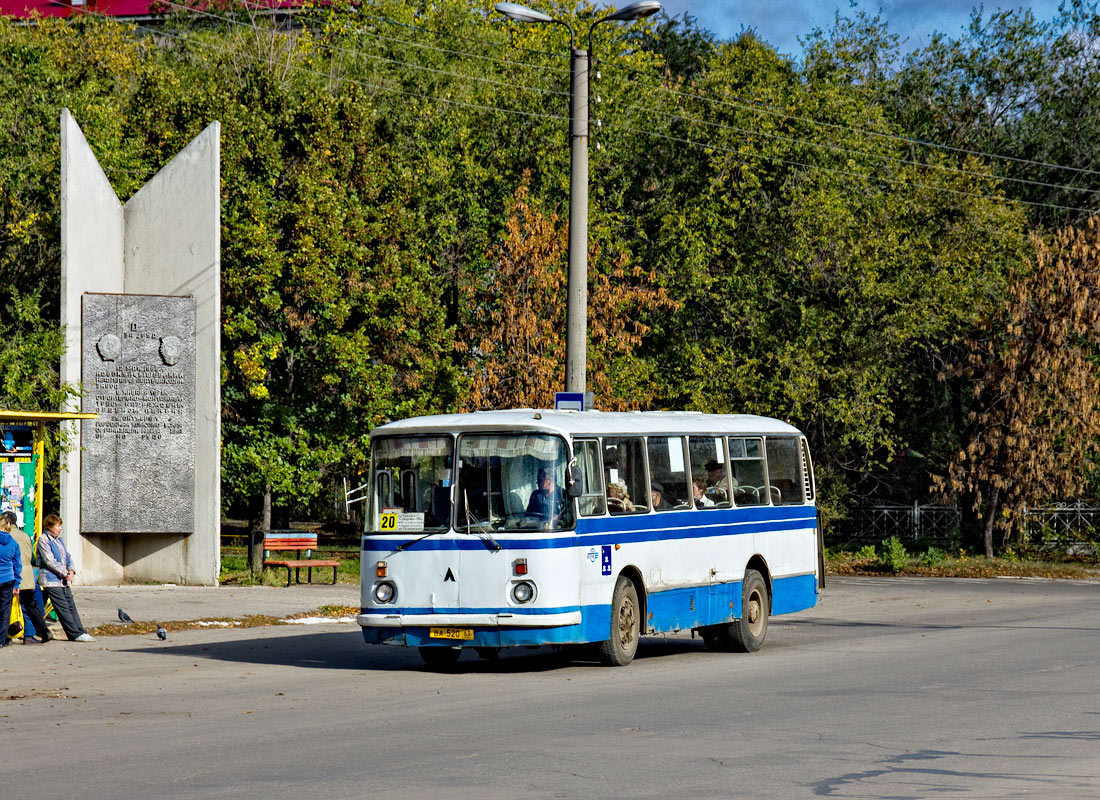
(699, 489)
(716, 476)
(618, 499)
(657, 491)
(547, 500)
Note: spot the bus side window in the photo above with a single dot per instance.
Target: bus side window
(587, 453)
(750, 481)
(784, 471)
(668, 472)
(625, 475)
(708, 468)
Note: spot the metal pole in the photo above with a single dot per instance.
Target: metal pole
(576, 315)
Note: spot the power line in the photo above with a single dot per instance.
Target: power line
(760, 107)
(464, 53)
(335, 48)
(740, 155)
(792, 139)
(423, 46)
(848, 173)
(364, 84)
(851, 151)
(510, 46)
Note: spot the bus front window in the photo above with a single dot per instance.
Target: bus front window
(512, 482)
(412, 483)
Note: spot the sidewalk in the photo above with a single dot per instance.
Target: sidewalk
(98, 605)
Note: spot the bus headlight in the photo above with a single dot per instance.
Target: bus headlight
(523, 592)
(385, 592)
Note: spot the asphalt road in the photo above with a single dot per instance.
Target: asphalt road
(889, 688)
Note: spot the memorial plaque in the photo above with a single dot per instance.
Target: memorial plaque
(138, 371)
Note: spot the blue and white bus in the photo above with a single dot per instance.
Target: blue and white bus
(525, 527)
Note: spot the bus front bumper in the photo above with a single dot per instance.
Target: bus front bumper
(497, 620)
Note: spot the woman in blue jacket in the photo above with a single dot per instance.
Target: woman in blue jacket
(11, 572)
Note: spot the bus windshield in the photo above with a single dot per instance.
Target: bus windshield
(412, 482)
(512, 482)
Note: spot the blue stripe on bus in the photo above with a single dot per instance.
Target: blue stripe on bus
(687, 517)
(518, 612)
(625, 529)
(674, 609)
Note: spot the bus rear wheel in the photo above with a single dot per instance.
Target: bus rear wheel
(440, 657)
(619, 650)
(745, 635)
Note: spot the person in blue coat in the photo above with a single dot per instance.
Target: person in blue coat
(11, 573)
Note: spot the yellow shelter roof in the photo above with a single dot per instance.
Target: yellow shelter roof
(42, 416)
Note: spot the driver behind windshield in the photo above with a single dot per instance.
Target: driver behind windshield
(547, 500)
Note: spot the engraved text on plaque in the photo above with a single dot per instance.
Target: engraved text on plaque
(138, 371)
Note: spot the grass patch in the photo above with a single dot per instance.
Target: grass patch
(936, 563)
(250, 621)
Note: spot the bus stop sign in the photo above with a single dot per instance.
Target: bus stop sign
(569, 401)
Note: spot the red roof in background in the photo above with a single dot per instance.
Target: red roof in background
(124, 8)
(65, 8)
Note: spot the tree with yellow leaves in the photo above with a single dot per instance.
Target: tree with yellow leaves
(515, 342)
(1036, 386)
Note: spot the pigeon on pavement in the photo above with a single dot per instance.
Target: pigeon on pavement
(123, 616)
(161, 633)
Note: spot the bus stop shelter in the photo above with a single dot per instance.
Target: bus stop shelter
(23, 463)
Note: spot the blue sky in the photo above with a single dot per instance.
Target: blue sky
(781, 22)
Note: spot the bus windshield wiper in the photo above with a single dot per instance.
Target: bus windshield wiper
(482, 532)
(411, 542)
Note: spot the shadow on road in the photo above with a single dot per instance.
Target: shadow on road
(346, 651)
(917, 625)
(928, 780)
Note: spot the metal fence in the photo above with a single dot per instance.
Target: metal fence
(1072, 526)
(932, 524)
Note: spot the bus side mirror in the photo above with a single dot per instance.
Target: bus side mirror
(574, 487)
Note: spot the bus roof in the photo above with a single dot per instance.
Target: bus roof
(592, 423)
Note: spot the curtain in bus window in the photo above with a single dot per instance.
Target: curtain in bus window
(503, 446)
(668, 473)
(710, 482)
(588, 460)
(750, 483)
(784, 471)
(624, 475)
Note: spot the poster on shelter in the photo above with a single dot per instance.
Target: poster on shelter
(12, 488)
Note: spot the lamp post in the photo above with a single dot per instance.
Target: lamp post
(576, 315)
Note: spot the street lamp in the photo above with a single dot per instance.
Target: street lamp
(576, 315)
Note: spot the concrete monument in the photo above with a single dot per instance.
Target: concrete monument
(140, 301)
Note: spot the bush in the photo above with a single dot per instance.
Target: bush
(867, 551)
(893, 556)
(933, 556)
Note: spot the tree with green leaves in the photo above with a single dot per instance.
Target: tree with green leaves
(763, 237)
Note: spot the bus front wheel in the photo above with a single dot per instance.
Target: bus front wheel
(745, 635)
(619, 650)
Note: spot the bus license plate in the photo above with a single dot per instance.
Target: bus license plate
(450, 633)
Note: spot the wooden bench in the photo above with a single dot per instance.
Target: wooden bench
(298, 541)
